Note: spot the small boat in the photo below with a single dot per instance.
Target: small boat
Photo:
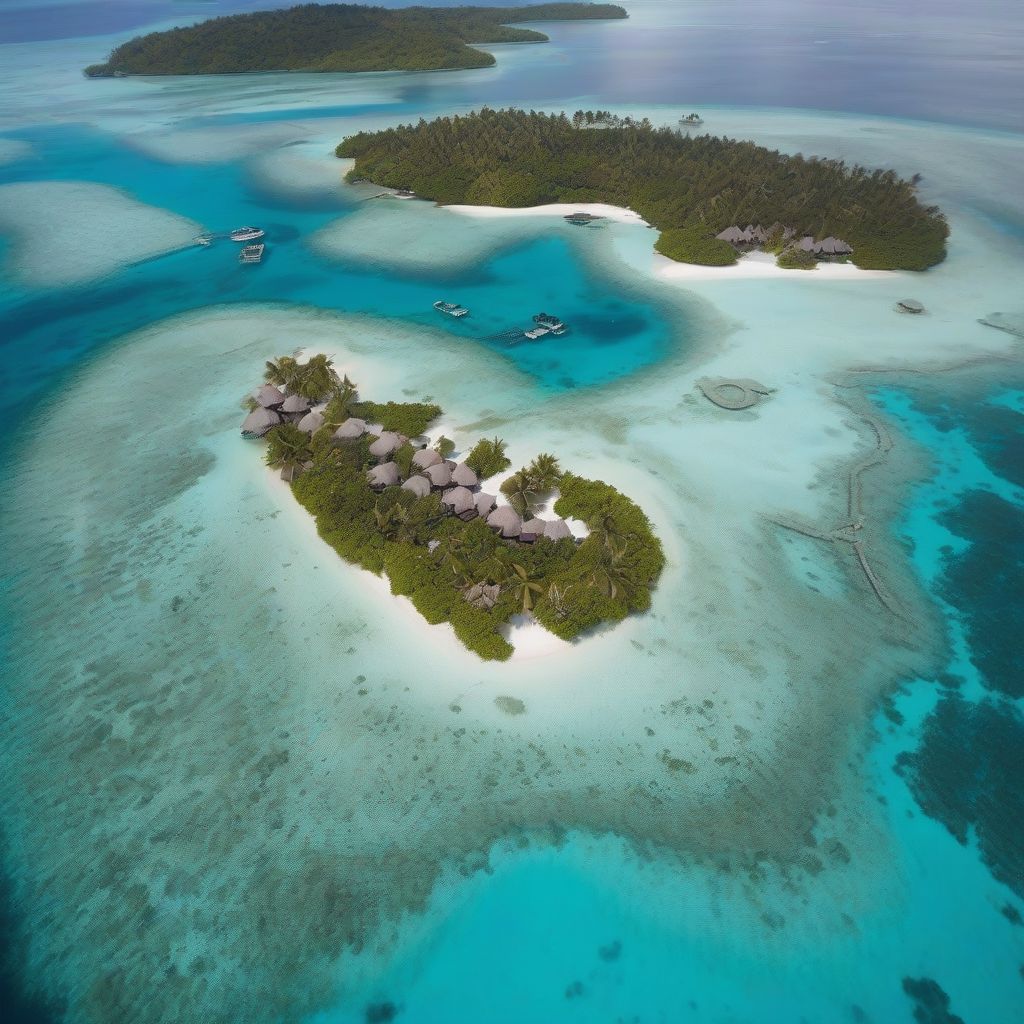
(251, 253)
(204, 240)
(690, 120)
(451, 308)
(552, 323)
(537, 332)
(404, 193)
(246, 234)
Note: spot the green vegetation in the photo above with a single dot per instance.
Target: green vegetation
(569, 586)
(409, 418)
(796, 259)
(488, 458)
(314, 379)
(339, 37)
(690, 188)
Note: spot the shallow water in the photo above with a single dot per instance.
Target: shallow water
(243, 785)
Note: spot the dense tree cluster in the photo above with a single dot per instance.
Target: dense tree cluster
(690, 188)
(338, 37)
(436, 560)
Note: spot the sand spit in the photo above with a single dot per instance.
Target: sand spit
(69, 232)
(241, 725)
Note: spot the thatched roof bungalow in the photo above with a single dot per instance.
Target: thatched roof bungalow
(484, 503)
(464, 476)
(351, 430)
(506, 521)
(387, 444)
(733, 235)
(295, 403)
(459, 500)
(269, 397)
(384, 475)
(439, 475)
(311, 422)
(483, 595)
(557, 529)
(425, 458)
(532, 529)
(419, 485)
(258, 422)
(806, 244)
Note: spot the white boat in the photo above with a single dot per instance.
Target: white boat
(251, 253)
(552, 323)
(246, 234)
(537, 332)
(451, 308)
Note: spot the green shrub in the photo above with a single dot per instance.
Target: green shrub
(488, 458)
(695, 245)
(796, 259)
(409, 418)
(480, 631)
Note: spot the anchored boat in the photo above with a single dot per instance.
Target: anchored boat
(251, 253)
(451, 308)
(246, 234)
(552, 323)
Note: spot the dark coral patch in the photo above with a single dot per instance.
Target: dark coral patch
(931, 1004)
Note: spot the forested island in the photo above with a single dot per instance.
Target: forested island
(339, 37)
(692, 188)
(388, 501)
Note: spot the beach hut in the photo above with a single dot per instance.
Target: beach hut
(294, 404)
(557, 529)
(464, 476)
(459, 501)
(909, 306)
(484, 503)
(387, 444)
(351, 430)
(311, 422)
(731, 235)
(269, 397)
(425, 458)
(532, 529)
(384, 475)
(419, 485)
(483, 595)
(843, 248)
(439, 475)
(806, 244)
(506, 521)
(258, 422)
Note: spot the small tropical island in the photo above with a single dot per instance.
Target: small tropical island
(711, 199)
(392, 503)
(339, 38)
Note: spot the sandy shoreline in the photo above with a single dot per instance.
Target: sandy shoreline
(616, 213)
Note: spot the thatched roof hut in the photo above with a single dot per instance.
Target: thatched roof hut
(483, 595)
(557, 529)
(843, 248)
(269, 397)
(439, 475)
(484, 503)
(732, 235)
(258, 422)
(806, 244)
(295, 403)
(351, 430)
(532, 529)
(464, 476)
(419, 485)
(506, 521)
(426, 457)
(311, 422)
(388, 443)
(459, 500)
(384, 475)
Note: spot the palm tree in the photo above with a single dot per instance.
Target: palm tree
(287, 449)
(451, 552)
(606, 530)
(520, 491)
(281, 371)
(339, 407)
(316, 379)
(612, 576)
(523, 584)
(544, 472)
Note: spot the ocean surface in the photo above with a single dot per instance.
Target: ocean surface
(237, 786)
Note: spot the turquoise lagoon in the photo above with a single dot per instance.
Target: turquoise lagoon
(231, 793)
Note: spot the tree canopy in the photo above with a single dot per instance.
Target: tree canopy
(689, 187)
(339, 37)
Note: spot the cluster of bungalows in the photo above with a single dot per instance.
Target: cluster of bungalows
(457, 483)
(754, 235)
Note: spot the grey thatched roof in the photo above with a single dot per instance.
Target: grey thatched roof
(258, 422)
(387, 443)
(506, 520)
(843, 247)
(351, 429)
(458, 499)
(425, 457)
(311, 422)
(464, 476)
(384, 475)
(295, 403)
(484, 502)
(483, 595)
(533, 528)
(419, 485)
(269, 397)
(439, 475)
(806, 243)
(557, 529)
(733, 235)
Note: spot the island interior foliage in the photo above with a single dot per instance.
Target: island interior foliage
(689, 187)
(569, 585)
(339, 37)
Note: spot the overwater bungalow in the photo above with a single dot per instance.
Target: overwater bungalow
(269, 397)
(440, 475)
(295, 404)
(418, 485)
(464, 476)
(387, 444)
(506, 521)
(909, 306)
(351, 430)
(384, 475)
(258, 422)
(459, 501)
(311, 422)
(425, 458)
(484, 503)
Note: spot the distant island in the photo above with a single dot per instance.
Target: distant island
(388, 501)
(710, 197)
(339, 37)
